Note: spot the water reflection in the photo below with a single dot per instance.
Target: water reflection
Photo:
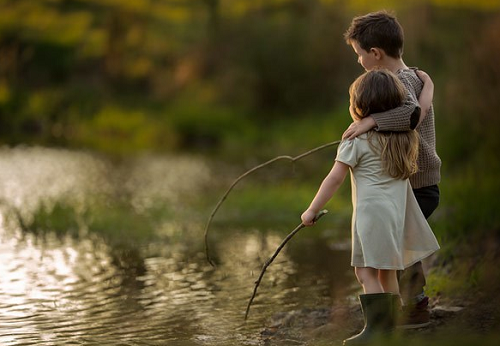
(59, 289)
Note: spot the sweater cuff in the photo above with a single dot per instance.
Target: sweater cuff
(415, 118)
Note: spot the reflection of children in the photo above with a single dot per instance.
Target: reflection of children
(377, 39)
(389, 232)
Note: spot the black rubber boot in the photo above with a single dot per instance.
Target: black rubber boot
(378, 312)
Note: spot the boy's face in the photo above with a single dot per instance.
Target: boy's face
(367, 59)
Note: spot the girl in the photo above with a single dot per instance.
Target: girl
(389, 231)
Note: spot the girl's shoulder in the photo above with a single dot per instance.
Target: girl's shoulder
(354, 152)
(360, 144)
(364, 136)
(361, 137)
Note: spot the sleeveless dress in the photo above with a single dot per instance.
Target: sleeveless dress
(389, 230)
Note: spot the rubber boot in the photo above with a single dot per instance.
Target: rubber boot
(378, 312)
(397, 307)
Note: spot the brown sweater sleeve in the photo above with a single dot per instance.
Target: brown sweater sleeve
(404, 117)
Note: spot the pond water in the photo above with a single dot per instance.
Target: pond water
(96, 284)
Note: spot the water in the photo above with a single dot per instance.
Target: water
(89, 287)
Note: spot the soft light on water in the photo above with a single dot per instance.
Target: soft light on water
(89, 290)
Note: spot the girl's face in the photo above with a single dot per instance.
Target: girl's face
(367, 59)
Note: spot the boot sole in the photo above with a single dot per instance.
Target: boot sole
(414, 326)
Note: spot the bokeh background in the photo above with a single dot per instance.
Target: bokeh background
(179, 97)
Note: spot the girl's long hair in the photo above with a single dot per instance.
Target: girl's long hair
(377, 91)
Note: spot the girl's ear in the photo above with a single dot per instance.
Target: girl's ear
(377, 53)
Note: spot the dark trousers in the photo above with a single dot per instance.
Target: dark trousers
(412, 279)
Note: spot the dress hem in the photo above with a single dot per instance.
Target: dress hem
(427, 254)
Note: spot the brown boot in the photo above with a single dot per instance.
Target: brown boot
(415, 315)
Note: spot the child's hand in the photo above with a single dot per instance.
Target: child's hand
(424, 77)
(359, 127)
(308, 217)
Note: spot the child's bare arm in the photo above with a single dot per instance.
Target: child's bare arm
(328, 187)
(426, 96)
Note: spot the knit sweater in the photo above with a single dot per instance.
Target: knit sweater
(405, 118)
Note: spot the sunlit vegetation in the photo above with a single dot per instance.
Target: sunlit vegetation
(198, 72)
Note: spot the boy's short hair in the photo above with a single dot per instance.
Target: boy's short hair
(377, 30)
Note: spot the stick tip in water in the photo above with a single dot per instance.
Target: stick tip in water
(210, 261)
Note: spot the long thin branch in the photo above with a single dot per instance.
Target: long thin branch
(223, 198)
(271, 259)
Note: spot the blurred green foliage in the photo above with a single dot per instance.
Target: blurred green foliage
(124, 76)
(246, 79)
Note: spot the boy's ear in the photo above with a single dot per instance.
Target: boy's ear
(377, 53)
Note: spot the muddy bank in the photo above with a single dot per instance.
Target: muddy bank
(472, 308)
(307, 325)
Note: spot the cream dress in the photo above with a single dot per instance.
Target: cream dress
(389, 230)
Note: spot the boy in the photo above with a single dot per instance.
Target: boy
(377, 39)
